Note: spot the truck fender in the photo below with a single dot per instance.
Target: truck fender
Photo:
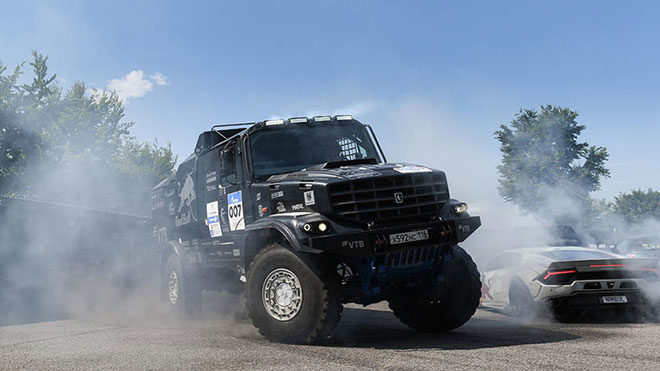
(285, 227)
(168, 248)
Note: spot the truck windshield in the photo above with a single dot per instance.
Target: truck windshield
(293, 148)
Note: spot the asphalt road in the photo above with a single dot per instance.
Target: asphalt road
(367, 339)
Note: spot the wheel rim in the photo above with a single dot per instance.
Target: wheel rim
(173, 287)
(282, 294)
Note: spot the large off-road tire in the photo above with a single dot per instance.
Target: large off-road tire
(451, 304)
(183, 292)
(292, 298)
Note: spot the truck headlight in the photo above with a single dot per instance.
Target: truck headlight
(316, 227)
(461, 208)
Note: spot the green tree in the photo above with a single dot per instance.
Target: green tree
(545, 170)
(142, 165)
(19, 143)
(638, 205)
(73, 146)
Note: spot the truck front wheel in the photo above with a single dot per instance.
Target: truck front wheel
(451, 304)
(183, 293)
(292, 298)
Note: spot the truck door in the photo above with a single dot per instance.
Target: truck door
(233, 204)
(208, 181)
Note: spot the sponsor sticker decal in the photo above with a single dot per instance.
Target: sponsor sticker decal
(357, 244)
(187, 196)
(277, 194)
(309, 198)
(213, 219)
(297, 207)
(412, 169)
(280, 207)
(235, 211)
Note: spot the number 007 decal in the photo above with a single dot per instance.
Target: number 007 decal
(235, 211)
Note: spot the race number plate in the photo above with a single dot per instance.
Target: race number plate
(405, 237)
(619, 299)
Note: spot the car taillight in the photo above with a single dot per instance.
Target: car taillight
(557, 276)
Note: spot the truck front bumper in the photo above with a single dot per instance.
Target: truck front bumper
(374, 242)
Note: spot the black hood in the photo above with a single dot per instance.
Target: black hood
(351, 172)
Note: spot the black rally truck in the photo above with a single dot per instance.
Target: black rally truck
(304, 215)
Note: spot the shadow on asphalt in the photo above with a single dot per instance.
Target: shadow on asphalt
(364, 328)
(593, 316)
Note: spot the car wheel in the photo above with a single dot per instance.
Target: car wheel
(521, 302)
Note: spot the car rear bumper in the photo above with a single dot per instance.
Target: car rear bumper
(594, 300)
(588, 294)
(596, 287)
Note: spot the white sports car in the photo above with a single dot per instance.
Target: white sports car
(569, 280)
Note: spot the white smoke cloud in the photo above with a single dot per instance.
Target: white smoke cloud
(136, 84)
(159, 79)
(355, 109)
(133, 85)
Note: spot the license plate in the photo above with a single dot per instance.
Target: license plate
(620, 299)
(405, 237)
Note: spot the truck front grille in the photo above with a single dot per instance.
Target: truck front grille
(390, 199)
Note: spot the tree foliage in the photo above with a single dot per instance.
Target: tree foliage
(545, 169)
(638, 206)
(73, 146)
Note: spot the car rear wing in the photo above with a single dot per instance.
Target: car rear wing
(606, 264)
(565, 272)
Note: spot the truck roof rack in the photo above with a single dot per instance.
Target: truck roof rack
(237, 124)
(223, 132)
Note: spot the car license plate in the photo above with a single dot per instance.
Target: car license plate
(405, 237)
(619, 299)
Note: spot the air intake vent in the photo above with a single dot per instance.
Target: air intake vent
(409, 257)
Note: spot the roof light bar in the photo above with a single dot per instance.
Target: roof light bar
(343, 117)
(322, 118)
(274, 122)
(298, 120)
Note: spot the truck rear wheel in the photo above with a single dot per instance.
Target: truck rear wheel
(453, 302)
(292, 298)
(182, 292)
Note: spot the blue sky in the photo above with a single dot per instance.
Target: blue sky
(434, 78)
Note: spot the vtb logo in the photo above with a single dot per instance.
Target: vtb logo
(398, 197)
